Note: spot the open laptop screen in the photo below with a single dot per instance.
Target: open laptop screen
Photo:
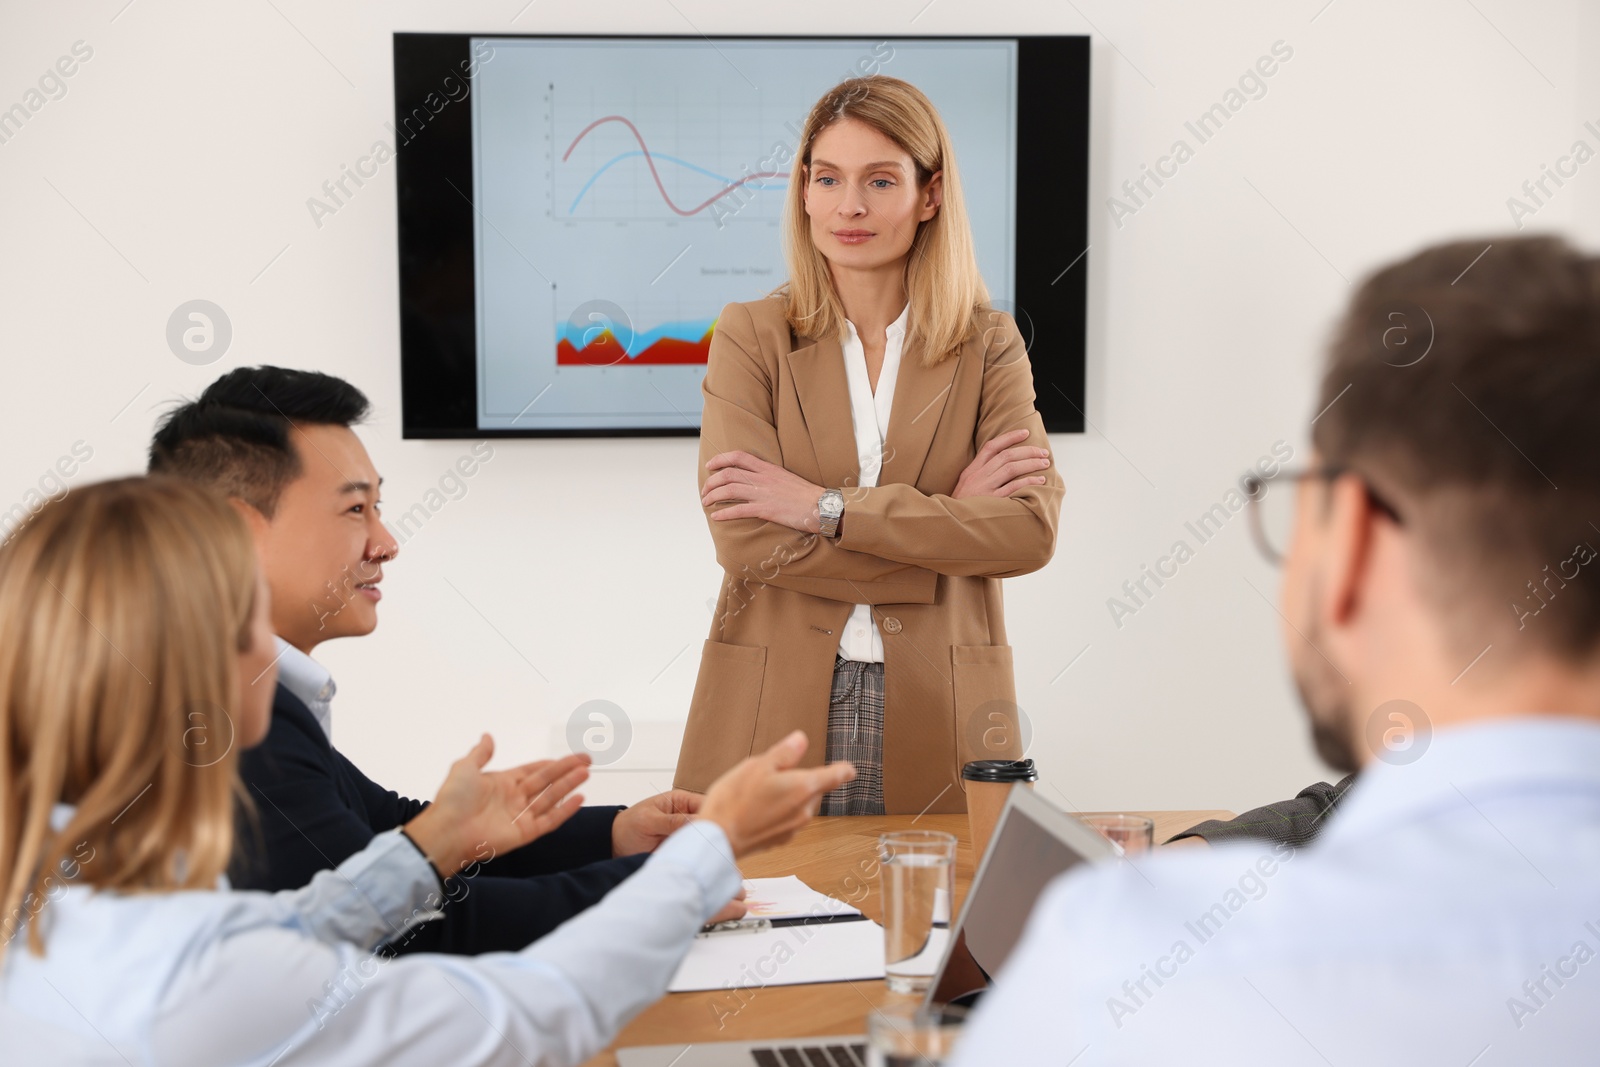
(1032, 843)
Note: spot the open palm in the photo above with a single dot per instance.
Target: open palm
(479, 814)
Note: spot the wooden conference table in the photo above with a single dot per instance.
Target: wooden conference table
(837, 856)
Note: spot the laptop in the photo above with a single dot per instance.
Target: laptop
(1033, 842)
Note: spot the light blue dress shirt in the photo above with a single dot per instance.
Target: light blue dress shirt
(310, 681)
(210, 979)
(1448, 914)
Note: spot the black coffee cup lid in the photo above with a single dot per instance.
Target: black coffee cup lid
(1000, 770)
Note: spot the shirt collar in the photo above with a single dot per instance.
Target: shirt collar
(1468, 763)
(897, 328)
(308, 680)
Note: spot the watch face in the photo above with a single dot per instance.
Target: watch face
(832, 502)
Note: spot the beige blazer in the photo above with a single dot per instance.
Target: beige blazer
(929, 565)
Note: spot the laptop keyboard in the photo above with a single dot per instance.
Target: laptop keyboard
(811, 1056)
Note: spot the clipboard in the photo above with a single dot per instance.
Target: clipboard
(758, 926)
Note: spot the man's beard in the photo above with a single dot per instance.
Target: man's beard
(1325, 694)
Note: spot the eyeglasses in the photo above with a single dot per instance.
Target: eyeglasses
(1272, 506)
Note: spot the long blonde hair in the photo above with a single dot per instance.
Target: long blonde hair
(123, 608)
(944, 286)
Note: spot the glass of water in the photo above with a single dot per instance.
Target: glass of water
(912, 1037)
(1132, 834)
(918, 877)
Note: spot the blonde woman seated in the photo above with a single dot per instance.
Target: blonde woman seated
(135, 660)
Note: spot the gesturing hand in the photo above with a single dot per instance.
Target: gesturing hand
(651, 821)
(1002, 466)
(502, 810)
(733, 909)
(760, 490)
(764, 799)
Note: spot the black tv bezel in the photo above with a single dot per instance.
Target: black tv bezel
(438, 321)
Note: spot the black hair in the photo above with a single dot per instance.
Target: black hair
(235, 436)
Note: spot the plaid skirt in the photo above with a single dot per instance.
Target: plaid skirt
(855, 733)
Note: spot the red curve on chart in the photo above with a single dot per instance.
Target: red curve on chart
(655, 174)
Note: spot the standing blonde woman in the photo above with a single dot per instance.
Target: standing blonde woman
(871, 466)
(136, 658)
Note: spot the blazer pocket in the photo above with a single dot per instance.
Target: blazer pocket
(987, 719)
(722, 713)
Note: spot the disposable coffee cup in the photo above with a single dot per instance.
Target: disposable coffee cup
(988, 781)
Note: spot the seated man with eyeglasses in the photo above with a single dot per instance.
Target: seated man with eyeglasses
(1444, 633)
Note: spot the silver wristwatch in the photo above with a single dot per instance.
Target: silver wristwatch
(830, 507)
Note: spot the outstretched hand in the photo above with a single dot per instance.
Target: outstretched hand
(478, 812)
(764, 799)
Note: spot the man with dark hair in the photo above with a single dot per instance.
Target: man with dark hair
(236, 437)
(279, 444)
(1441, 607)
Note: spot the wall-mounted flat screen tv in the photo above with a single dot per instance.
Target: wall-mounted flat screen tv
(575, 211)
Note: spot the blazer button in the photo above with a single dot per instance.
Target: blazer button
(891, 625)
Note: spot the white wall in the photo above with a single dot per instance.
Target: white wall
(179, 163)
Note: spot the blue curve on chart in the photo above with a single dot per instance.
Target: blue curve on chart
(752, 184)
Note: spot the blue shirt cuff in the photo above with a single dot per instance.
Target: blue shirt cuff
(701, 849)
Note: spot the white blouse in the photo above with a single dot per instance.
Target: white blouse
(869, 411)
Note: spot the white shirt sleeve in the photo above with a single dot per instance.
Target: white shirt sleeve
(271, 994)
